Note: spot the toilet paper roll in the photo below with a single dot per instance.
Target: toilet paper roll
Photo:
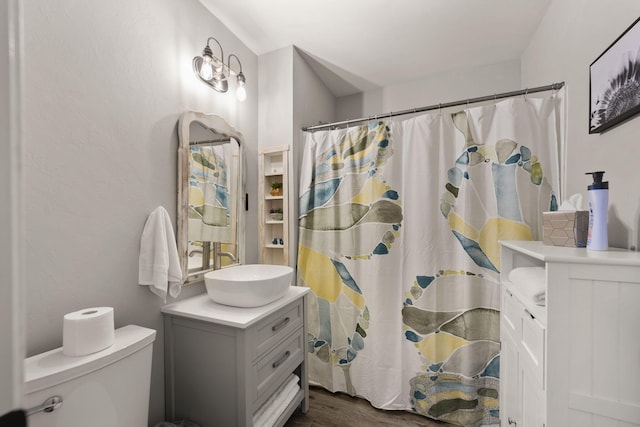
(87, 331)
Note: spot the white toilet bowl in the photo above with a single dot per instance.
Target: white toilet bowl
(104, 389)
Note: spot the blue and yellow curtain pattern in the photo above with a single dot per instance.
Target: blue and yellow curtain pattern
(399, 225)
(209, 194)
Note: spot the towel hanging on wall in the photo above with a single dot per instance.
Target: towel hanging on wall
(159, 265)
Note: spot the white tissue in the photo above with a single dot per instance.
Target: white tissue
(573, 203)
(87, 331)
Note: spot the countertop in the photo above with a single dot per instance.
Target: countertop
(547, 253)
(201, 307)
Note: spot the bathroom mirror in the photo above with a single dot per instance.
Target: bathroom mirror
(211, 195)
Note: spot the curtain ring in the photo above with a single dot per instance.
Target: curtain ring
(526, 92)
(347, 124)
(440, 108)
(495, 98)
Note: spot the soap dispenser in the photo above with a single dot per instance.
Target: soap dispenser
(598, 196)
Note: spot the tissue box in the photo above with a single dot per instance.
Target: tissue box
(565, 228)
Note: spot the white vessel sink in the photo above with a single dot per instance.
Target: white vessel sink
(249, 285)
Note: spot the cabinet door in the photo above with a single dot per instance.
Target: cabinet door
(509, 373)
(533, 401)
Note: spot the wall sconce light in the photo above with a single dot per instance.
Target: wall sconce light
(215, 73)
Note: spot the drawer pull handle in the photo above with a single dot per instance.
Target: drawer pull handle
(512, 421)
(529, 313)
(280, 325)
(280, 361)
(49, 405)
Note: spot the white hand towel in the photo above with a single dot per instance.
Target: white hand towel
(281, 404)
(276, 403)
(532, 281)
(159, 265)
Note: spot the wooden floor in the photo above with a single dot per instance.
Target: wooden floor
(338, 410)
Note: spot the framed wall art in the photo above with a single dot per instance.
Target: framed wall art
(614, 82)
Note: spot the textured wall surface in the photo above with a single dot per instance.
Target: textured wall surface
(444, 87)
(571, 36)
(105, 83)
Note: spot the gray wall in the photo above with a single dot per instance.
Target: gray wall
(453, 85)
(292, 96)
(276, 98)
(312, 102)
(572, 34)
(105, 83)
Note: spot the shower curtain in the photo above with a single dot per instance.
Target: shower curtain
(209, 193)
(399, 224)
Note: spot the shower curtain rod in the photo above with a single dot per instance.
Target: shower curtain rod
(553, 86)
(210, 141)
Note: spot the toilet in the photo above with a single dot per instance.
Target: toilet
(104, 389)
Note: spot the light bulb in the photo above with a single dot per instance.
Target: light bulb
(241, 92)
(206, 70)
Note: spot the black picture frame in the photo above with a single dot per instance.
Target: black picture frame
(614, 82)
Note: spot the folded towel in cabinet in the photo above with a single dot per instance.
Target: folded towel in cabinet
(159, 265)
(276, 404)
(532, 282)
(281, 404)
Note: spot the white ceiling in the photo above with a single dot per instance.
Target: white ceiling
(357, 45)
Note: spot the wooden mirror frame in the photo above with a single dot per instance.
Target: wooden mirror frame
(218, 125)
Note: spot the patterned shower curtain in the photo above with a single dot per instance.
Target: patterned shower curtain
(209, 193)
(399, 225)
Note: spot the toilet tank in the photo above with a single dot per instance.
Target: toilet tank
(104, 389)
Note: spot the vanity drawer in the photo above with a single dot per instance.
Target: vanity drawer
(275, 327)
(279, 363)
(533, 338)
(511, 311)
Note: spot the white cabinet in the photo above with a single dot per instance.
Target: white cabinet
(509, 378)
(521, 363)
(576, 361)
(223, 363)
(273, 206)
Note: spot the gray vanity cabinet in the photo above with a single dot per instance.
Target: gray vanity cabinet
(223, 363)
